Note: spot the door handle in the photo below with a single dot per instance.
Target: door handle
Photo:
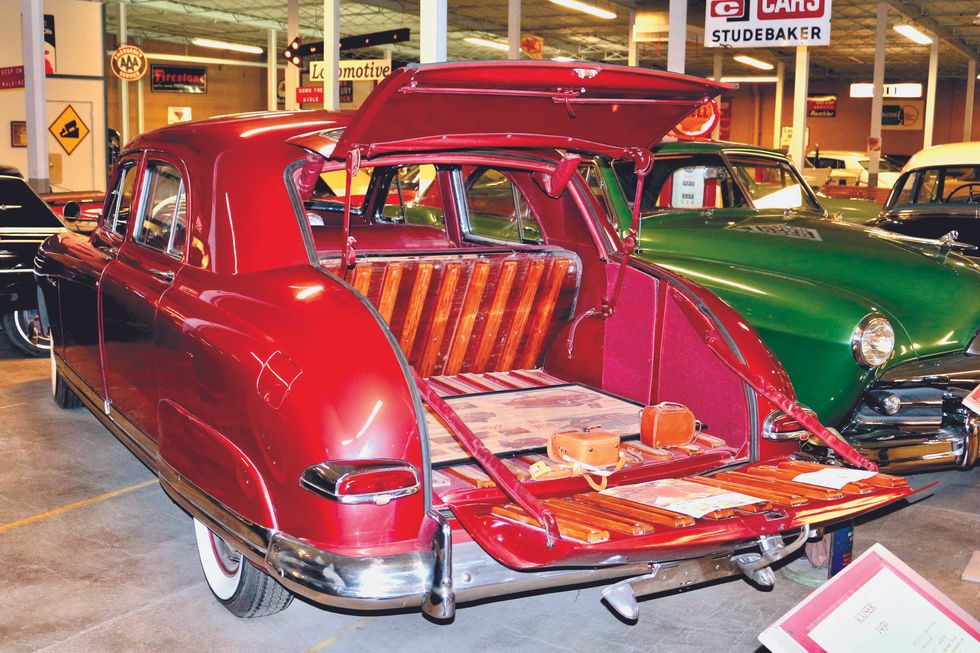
(166, 275)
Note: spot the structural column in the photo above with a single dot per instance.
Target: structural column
(971, 81)
(432, 32)
(292, 72)
(677, 36)
(122, 37)
(717, 66)
(632, 46)
(930, 118)
(331, 55)
(271, 78)
(777, 105)
(513, 29)
(877, 96)
(797, 148)
(35, 99)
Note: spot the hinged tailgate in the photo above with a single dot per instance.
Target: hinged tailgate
(645, 522)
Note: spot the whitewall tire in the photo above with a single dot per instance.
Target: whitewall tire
(237, 584)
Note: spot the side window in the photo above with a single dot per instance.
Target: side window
(928, 186)
(117, 217)
(413, 196)
(497, 209)
(163, 210)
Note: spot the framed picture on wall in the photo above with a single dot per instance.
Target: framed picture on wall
(18, 133)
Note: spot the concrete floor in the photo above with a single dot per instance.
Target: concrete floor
(106, 562)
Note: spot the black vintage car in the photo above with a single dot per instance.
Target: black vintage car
(25, 221)
(938, 196)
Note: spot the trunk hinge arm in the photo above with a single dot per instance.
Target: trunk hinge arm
(709, 333)
(348, 257)
(642, 164)
(495, 469)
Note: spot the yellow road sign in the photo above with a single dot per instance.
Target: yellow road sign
(69, 130)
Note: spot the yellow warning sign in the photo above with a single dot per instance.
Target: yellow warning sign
(68, 129)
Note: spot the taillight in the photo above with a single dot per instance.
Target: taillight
(361, 481)
(780, 426)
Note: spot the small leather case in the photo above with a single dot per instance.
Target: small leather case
(667, 425)
(593, 448)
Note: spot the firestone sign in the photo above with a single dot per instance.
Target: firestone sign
(766, 23)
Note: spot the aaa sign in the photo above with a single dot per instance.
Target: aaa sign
(766, 23)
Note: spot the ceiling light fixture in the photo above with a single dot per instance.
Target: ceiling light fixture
(902, 90)
(487, 43)
(913, 34)
(761, 79)
(586, 8)
(752, 61)
(224, 45)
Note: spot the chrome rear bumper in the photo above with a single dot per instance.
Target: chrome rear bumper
(931, 427)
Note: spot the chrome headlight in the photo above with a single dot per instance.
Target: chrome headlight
(873, 340)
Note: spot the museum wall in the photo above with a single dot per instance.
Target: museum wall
(77, 81)
(752, 113)
(230, 89)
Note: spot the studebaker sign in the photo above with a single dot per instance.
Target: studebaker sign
(766, 23)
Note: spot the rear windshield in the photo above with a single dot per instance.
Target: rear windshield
(20, 207)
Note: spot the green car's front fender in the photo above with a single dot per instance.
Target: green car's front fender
(808, 329)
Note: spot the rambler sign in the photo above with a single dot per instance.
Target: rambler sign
(354, 70)
(766, 23)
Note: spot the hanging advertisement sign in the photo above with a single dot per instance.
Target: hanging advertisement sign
(532, 46)
(178, 79)
(821, 106)
(346, 92)
(128, 63)
(50, 55)
(766, 23)
(907, 115)
(309, 94)
(355, 70)
(12, 77)
(178, 114)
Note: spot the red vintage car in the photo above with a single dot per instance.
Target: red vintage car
(357, 409)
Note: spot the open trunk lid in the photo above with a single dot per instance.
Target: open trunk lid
(638, 519)
(576, 106)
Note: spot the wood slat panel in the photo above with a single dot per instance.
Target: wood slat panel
(569, 528)
(416, 302)
(362, 279)
(878, 480)
(782, 498)
(474, 477)
(646, 451)
(467, 318)
(389, 290)
(525, 303)
(495, 315)
(785, 478)
(635, 510)
(543, 312)
(437, 328)
(598, 517)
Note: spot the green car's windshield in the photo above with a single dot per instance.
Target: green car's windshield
(772, 184)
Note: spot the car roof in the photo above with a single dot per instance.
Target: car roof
(699, 146)
(945, 155)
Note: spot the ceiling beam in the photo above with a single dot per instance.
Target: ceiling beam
(914, 12)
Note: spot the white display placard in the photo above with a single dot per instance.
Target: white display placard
(885, 615)
(687, 189)
(766, 23)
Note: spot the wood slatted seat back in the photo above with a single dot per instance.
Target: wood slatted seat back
(471, 313)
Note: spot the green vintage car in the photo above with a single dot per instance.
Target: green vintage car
(878, 333)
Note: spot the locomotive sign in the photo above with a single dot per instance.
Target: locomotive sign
(766, 23)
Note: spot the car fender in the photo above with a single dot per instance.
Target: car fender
(808, 328)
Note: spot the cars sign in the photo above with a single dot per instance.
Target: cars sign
(767, 23)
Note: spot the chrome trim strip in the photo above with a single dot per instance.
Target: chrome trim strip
(21, 271)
